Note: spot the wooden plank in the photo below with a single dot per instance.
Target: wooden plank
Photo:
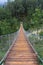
(21, 52)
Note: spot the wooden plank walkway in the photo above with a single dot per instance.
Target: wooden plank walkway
(21, 52)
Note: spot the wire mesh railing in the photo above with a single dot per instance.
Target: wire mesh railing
(37, 43)
(5, 43)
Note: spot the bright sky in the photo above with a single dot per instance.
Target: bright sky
(2, 1)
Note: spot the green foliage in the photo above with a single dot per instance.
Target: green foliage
(9, 26)
(38, 45)
(4, 13)
(30, 12)
(41, 33)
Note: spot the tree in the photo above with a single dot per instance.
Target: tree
(36, 20)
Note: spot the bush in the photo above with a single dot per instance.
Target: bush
(41, 33)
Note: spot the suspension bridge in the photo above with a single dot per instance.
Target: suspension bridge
(21, 52)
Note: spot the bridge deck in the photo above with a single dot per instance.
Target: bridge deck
(21, 52)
